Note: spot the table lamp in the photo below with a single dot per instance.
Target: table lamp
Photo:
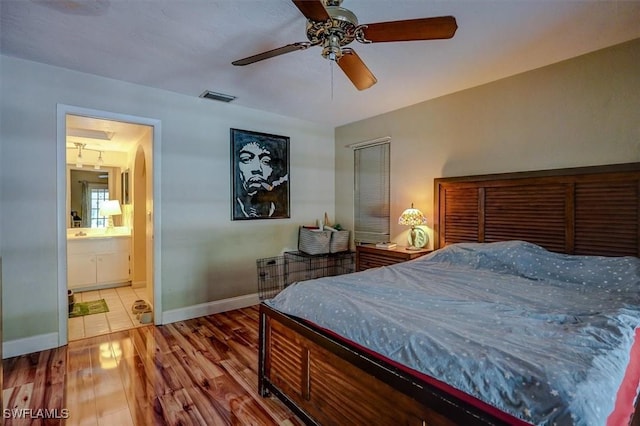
(418, 237)
(110, 208)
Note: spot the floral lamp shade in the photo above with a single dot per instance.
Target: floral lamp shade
(412, 217)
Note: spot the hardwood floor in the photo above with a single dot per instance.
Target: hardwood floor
(196, 372)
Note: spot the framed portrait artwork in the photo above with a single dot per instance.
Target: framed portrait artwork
(259, 175)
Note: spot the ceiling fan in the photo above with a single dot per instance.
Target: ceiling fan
(331, 26)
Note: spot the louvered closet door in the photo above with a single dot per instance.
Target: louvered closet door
(535, 214)
(606, 218)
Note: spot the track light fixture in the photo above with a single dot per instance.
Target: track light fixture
(99, 162)
(81, 147)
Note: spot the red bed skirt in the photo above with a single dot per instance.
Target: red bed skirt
(628, 392)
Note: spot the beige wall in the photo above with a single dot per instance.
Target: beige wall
(205, 256)
(584, 111)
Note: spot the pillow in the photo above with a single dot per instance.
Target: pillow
(531, 261)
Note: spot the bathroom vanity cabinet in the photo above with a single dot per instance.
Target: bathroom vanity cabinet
(99, 261)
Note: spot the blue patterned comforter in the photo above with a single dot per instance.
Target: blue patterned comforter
(543, 336)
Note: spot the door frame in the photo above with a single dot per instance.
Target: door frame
(61, 177)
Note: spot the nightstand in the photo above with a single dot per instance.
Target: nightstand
(370, 256)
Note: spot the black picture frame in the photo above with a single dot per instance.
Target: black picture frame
(259, 175)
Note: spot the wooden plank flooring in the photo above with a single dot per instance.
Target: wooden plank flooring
(196, 372)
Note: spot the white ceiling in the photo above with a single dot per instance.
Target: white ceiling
(103, 135)
(187, 46)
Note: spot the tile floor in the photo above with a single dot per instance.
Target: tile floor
(119, 300)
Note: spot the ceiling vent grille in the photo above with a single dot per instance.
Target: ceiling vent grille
(208, 94)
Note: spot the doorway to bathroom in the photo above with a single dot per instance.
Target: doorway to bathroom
(107, 250)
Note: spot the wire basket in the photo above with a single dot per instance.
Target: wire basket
(270, 276)
(276, 273)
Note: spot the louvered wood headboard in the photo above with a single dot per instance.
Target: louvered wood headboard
(586, 210)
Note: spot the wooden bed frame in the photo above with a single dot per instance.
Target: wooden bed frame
(325, 380)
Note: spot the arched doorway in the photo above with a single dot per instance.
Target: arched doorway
(142, 275)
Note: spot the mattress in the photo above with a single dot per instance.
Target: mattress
(542, 336)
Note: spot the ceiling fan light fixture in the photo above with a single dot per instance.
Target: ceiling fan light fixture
(331, 48)
(208, 94)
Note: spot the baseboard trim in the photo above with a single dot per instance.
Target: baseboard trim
(138, 284)
(29, 345)
(43, 342)
(209, 308)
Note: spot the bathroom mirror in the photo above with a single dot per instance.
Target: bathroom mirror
(83, 184)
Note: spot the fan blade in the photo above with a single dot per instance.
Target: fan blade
(412, 29)
(271, 53)
(356, 70)
(312, 9)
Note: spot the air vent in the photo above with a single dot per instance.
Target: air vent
(217, 96)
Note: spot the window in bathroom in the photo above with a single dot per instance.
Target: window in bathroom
(98, 195)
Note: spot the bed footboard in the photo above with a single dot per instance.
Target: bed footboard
(328, 382)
